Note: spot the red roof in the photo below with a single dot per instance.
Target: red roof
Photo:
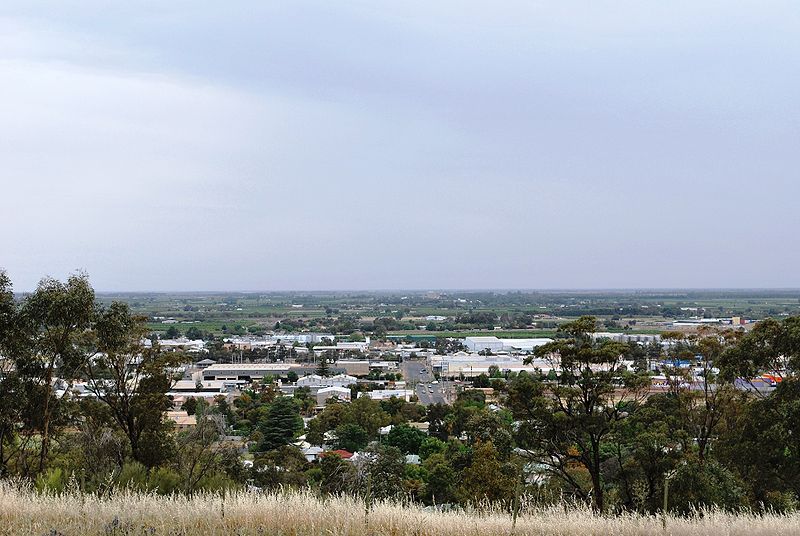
(343, 454)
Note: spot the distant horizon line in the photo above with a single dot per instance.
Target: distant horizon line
(455, 290)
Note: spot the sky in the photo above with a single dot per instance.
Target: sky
(193, 145)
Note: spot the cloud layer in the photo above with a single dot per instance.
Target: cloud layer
(407, 146)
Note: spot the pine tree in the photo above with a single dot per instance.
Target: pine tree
(282, 422)
(322, 367)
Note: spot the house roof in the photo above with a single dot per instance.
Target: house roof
(343, 454)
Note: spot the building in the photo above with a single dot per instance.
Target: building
(383, 366)
(182, 420)
(247, 371)
(204, 363)
(181, 344)
(326, 393)
(386, 394)
(481, 344)
(353, 367)
(316, 381)
(343, 347)
(523, 345)
(641, 338)
(471, 365)
(495, 345)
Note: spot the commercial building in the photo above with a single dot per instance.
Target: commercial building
(386, 394)
(326, 393)
(471, 365)
(316, 381)
(641, 338)
(494, 344)
(247, 371)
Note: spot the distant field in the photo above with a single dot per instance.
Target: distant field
(213, 310)
(513, 334)
(503, 334)
(304, 514)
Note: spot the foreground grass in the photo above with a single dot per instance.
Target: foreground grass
(300, 514)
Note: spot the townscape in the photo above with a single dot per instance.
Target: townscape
(411, 268)
(93, 399)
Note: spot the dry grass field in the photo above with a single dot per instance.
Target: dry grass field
(300, 514)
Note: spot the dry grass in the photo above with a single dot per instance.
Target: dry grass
(27, 513)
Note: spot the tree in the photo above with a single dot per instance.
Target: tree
(351, 437)
(12, 392)
(406, 438)
(385, 468)
(337, 476)
(193, 333)
(487, 478)
(285, 466)
(565, 424)
(772, 346)
(441, 479)
(50, 331)
(132, 380)
(190, 406)
(200, 454)
(322, 367)
(172, 333)
(281, 424)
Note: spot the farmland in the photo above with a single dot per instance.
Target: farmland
(458, 313)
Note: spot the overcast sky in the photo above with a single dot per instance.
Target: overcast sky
(190, 145)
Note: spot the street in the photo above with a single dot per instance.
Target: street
(428, 393)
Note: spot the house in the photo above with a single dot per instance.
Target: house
(182, 420)
(343, 454)
(312, 454)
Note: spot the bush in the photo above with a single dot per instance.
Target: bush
(164, 481)
(696, 486)
(52, 481)
(133, 475)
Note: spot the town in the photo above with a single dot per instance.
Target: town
(92, 394)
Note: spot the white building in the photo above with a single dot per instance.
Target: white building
(246, 371)
(471, 365)
(315, 380)
(481, 344)
(326, 393)
(386, 394)
(180, 344)
(627, 337)
(494, 344)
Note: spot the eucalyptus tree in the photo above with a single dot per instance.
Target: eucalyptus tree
(132, 376)
(563, 423)
(52, 343)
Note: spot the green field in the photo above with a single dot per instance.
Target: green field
(641, 311)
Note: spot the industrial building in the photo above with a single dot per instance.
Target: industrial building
(495, 345)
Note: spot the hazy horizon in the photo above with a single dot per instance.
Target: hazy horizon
(590, 145)
(412, 291)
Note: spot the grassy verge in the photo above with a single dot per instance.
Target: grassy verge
(299, 514)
